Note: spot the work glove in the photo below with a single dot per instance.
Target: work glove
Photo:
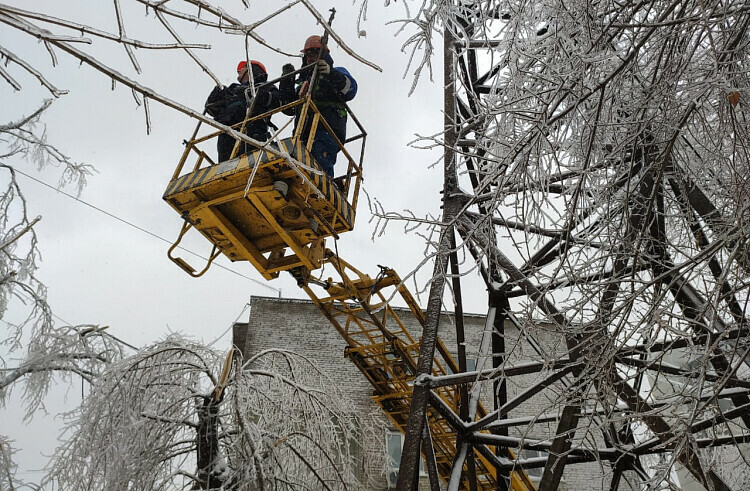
(216, 100)
(287, 82)
(324, 68)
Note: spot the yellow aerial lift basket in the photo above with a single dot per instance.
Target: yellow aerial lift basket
(273, 206)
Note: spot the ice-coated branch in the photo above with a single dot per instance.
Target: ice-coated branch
(38, 75)
(7, 466)
(272, 426)
(335, 36)
(174, 34)
(128, 48)
(86, 29)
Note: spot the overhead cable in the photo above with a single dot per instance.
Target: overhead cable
(130, 224)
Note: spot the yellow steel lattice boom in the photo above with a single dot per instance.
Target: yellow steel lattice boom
(380, 345)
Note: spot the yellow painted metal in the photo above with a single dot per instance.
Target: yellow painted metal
(182, 263)
(380, 345)
(273, 207)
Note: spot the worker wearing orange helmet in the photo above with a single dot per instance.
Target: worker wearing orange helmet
(228, 105)
(334, 87)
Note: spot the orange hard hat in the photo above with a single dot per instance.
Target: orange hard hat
(313, 42)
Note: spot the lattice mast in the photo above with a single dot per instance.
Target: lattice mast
(603, 197)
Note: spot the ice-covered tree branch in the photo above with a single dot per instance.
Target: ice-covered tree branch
(152, 411)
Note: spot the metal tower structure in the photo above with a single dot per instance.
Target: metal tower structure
(596, 176)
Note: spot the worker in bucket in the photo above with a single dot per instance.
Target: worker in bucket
(229, 105)
(333, 87)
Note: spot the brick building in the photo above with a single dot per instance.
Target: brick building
(297, 325)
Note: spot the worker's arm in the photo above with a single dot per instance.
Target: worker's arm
(287, 92)
(340, 79)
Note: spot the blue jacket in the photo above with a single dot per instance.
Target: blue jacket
(332, 90)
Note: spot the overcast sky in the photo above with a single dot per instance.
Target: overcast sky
(100, 270)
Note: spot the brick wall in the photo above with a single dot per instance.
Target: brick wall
(297, 325)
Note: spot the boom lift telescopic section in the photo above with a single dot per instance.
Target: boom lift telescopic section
(274, 208)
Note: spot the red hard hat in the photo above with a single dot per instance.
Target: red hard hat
(313, 42)
(258, 64)
(243, 64)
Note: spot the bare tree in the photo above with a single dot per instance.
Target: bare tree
(169, 417)
(596, 166)
(595, 176)
(38, 349)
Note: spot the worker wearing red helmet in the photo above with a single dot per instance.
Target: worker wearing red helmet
(228, 105)
(334, 87)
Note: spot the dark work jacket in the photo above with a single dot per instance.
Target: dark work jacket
(330, 94)
(228, 105)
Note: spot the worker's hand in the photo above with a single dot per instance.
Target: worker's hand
(287, 69)
(323, 67)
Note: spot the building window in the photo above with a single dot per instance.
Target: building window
(350, 449)
(394, 443)
(471, 365)
(534, 472)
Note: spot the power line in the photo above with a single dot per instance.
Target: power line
(148, 232)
